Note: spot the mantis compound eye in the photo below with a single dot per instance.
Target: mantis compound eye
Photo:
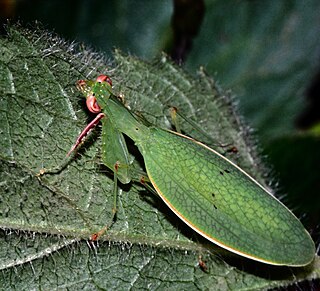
(104, 78)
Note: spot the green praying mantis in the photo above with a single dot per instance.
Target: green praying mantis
(209, 193)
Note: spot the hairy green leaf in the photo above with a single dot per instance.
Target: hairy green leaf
(46, 220)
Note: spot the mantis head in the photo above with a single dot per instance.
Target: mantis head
(94, 89)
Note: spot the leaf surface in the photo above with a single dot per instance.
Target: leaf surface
(47, 220)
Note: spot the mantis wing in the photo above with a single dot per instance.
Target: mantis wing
(223, 203)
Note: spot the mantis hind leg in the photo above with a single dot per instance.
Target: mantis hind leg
(98, 234)
(177, 116)
(143, 179)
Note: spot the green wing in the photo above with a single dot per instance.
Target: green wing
(222, 203)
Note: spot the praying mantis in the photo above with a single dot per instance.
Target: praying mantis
(208, 192)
